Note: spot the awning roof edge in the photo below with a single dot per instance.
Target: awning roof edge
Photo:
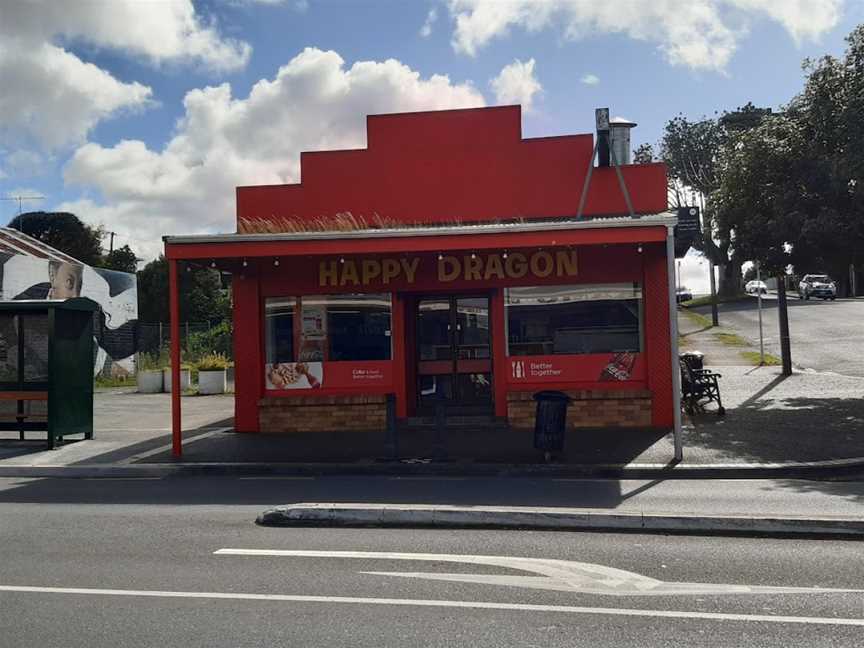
(464, 237)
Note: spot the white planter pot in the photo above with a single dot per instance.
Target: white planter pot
(211, 382)
(150, 382)
(185, 380)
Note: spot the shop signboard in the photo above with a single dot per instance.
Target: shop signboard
(586, 368)
(687, 231)
(369, 376)
(447, 269)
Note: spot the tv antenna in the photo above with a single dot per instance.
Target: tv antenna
(20, 200)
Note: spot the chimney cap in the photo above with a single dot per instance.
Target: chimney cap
(622, 121)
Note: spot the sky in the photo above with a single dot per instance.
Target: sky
(143, 115)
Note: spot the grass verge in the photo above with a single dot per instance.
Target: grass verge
(109, 383)
(753, 357)
(731, 339)
(706, 300)
(701, 320)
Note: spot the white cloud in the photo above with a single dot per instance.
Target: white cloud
(700, 34)
(803, 19)
(516, 83)
(159, 31)
(314, 102)
(52, 98)
(590, 79)
(25, 163)
(431, 17)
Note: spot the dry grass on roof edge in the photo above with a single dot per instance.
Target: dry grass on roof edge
(341, 222)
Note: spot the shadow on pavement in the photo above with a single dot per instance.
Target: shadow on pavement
(783, 429)
(462, 445)
(264, 492)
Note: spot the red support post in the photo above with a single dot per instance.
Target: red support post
(174, 306)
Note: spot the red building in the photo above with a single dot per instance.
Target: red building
(445, 264)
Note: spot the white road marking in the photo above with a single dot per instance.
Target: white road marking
(556, 575)
(276, 478)
(481, 605)
(122, 478)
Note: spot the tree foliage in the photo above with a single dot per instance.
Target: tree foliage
(122, 259)
(644, 154)
(791, 185)
(202, 297)
(63, 231)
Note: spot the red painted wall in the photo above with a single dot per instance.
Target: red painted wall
(248, 349)
(457, 165)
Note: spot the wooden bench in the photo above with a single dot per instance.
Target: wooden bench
(21, 424)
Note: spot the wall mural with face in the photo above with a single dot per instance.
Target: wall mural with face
(114, 324)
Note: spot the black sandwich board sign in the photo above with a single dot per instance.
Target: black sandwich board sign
(687, 231)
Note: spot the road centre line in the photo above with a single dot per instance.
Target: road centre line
(276, 478)
(477, 605)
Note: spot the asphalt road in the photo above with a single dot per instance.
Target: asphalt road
(122, 563)
(825, 335)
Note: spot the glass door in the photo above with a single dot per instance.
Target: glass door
(454, 364)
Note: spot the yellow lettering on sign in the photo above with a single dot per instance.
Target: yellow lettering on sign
(328, 273)
(542, 264)
(516, 265)
(494, 267)
(473, 268)
(565, 263)
(349, 273)
(410, 268)
(448, 268)
(371, 269)
(389, 270)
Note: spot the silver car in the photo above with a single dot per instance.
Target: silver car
(817, 286)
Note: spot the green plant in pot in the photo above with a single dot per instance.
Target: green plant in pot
(211, 374)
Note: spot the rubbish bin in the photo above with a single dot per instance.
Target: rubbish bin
(694, 359)
(550, 421)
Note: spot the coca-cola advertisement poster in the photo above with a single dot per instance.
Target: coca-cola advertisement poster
(589, 368)
(294, 375)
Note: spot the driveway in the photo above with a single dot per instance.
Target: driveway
(825, 335)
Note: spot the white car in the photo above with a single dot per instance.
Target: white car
(754, 287)
(817, 286)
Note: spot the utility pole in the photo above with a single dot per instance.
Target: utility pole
(759, 306)
(111, 244)
(783, 317)
(715, 318)
(21, 199)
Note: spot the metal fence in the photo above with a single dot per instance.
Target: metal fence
(195, 337)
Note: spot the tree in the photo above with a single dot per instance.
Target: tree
(828, 111)
(644, 154)
(694, 153)
(202, 297)
(63, 231)
(122, 259)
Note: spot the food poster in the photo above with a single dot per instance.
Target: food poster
(313, 332)
(294, 375)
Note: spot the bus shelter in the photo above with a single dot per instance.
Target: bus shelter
(46, 367)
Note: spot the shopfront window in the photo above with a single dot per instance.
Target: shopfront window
(577, 319)
(356, 326)
(328, 328)
(279, 329)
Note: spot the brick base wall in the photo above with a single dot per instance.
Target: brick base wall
(589, 409)
(322, 413)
